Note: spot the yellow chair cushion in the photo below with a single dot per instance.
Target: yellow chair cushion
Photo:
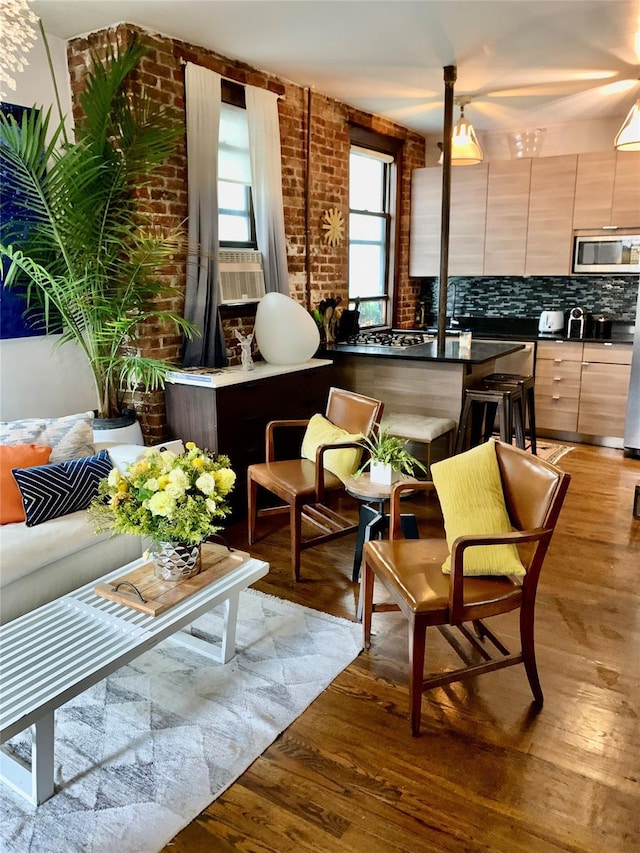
(342, 462)
(470, 492)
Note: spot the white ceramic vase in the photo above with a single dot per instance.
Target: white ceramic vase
(383, 473)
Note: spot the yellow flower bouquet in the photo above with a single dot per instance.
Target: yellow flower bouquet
(165, 496)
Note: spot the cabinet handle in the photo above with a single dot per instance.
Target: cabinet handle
(558, 360)
(557, 378)
(556, 397)
(586, 363)
(608, 344)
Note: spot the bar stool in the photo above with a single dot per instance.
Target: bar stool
(423, 429)
(479, 409)
(527, 384)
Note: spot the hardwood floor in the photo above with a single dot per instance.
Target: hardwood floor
(488, 772)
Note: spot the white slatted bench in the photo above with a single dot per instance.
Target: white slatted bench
(52, 654)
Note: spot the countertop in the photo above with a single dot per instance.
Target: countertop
(526, 329)
(478, 353)
(224, 377)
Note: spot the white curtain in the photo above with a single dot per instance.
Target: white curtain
(203, 97)
(266, 181)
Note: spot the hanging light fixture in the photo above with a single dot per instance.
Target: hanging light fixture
(628, 137)
(465, 148)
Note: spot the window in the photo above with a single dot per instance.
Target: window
(371, 208)
(236, 225)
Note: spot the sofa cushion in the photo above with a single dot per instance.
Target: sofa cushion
(49, 491)
(69, 437)
(17, 456)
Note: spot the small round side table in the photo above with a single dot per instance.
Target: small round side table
(373, 518)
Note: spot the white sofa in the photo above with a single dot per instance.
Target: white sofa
(38, 564)
(42, 562)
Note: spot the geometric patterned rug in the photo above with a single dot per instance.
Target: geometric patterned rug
(142, 753)
(552, 452)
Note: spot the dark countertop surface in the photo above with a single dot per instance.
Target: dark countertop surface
(479, 352)
(526, 329)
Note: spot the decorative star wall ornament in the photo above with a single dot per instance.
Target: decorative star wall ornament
(333, 226)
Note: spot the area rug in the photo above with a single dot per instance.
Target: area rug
(141, 754)
(551, 452)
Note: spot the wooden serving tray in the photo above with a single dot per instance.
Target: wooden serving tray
(159, 595)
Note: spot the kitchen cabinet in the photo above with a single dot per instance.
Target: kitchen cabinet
(558, 368)
(550, 223)
(426, 203)
(595, 179)
(582, 387)
(625, 210)
(604, 387)
(607, 190)
(467, 221)
(232, 419)
(507, 217)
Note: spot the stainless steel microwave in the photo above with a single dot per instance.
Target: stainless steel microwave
(608, 253)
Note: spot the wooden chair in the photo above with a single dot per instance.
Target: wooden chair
(410, 571)
(303, 484)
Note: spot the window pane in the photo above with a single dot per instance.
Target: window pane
(373, 313)
(366, 271)
(233, 229)
(366, 183)
(233, 146)
(232, 196)
(370, 228)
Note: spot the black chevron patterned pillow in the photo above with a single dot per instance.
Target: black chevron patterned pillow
(49, 491)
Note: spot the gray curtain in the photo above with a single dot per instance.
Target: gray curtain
(202, 88)
(266, 183)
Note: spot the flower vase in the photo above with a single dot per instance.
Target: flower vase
(383, 473)
(175, 561)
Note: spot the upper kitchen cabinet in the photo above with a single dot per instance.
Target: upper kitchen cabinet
(467, 220)
(595, 178)
(426, 204)
(607, 190)
(468, 217)
(625, 212)
(551, 201)
(507, 217)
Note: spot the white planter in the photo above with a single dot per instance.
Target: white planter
(382, 473)
(117, 431)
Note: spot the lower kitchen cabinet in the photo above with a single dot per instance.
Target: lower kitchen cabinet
(558, 368)
(582, 387)
(232, 419)
(604, 387)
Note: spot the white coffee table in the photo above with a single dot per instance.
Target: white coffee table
(54, 653)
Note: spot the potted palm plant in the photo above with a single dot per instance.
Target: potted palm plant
(388, 458)
(84, 244)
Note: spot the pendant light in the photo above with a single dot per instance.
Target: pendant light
(465, 148)
(628, 138)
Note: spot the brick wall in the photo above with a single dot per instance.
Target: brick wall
(324, 272)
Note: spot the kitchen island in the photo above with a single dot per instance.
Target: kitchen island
(415, 379)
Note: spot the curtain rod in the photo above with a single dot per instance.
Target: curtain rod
(184, 61)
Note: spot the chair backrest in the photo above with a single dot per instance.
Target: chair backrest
(353, 412)
(534, 490)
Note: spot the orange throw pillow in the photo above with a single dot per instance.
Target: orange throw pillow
(17, 456)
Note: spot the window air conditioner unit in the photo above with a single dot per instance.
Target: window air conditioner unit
(241, 276)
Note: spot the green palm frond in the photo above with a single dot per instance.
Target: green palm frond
(84, 241)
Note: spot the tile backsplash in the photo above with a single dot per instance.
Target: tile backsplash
(512, 296)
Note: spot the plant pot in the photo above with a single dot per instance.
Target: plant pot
(175, 561)
(383, 473)
(124, 429)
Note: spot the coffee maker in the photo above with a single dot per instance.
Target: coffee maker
(577, 323)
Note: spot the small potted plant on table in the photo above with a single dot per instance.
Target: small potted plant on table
(389, 458)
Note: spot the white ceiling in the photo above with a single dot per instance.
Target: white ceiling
(526, 63)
